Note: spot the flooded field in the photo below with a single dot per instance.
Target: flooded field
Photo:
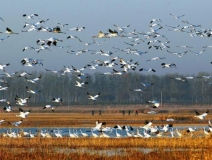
(76, 136)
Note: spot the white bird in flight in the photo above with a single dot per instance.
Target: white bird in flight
(79, 29)
(33, 91)
(2, 66)
(33, 80)
(3, 39)
(8, 108)
(9, 31)
(154, 104)
(177, 17)
(16, 123)
(30, 16)
(57, 100)
(23, 114)
(94, 98)
(81, 84)
(201, 116)
(156, 58)
(49, 106)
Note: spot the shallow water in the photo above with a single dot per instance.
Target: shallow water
(78, 131)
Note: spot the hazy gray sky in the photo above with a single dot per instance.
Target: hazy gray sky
(97, 15)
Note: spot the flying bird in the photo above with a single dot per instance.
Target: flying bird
(177, 17)
(57, 30)
(3, 66)
(57, 100)
(154, 104)
(148, 70)
(33, 91)
(94, 98)
(23, 114)
(101, 35)
(197, 53)
(201, 116)
(179, 79)
(155, 20)
(21, 101)
(3, 39)
(147, 84)
(49, 106)
(121, 29)
(33, 80)
(156, 58)
(1, 121)
(136, 90)
(22, 74)
(30, 16)
(8, 108)
(16, 123)
(79, 29)
(81, 84)
(62, 25)
(168, 65)
(9, 31)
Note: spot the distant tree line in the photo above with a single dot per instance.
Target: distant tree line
(114, 89)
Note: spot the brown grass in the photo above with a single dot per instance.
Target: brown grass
(93, 148)
(87, 120)
(102, 148)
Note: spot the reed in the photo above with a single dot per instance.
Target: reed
(106, 148)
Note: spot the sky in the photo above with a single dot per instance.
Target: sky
(97, 15)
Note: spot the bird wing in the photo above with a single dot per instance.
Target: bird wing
(21, 110)
(197, 113)
(78, 83)
(27, 112)
(204, 114)
(9, 30)
(96, 96)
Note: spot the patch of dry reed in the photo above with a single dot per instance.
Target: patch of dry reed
(115, 148)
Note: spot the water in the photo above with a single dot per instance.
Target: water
(111, 134)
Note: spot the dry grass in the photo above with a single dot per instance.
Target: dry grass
(102, 148)
(93, 148)
(81, 116)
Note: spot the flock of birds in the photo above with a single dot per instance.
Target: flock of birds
(148, 130)
(153, 39)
